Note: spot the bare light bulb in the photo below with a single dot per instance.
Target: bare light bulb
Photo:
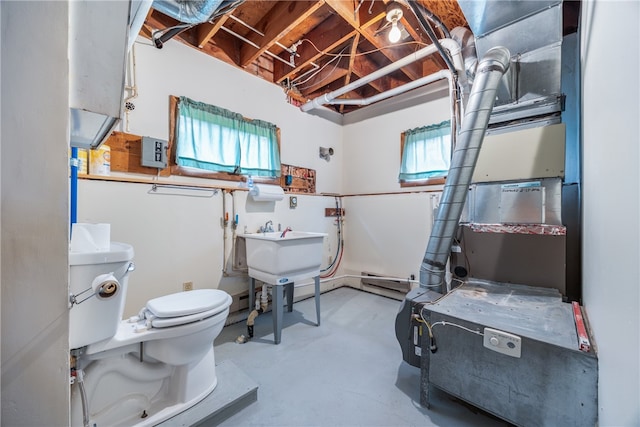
(394, 33)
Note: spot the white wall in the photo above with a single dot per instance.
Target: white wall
(610, 240)
(183, 71)
(178, 238)
(372, 147)
(35, 214)
(387, 234)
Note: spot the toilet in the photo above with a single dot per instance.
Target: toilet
(141, 370)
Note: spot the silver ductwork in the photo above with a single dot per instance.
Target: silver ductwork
(532, 31)
(188, 11)
(490, 71)
(467, 43)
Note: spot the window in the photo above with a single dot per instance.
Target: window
(220, 141)
(426, 154)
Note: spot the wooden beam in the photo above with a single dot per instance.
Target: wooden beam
(352, 58)
(325, 38)
(126, 154)
(224, 47)
(276, 24)
(206, 31)
(323, 78)
(362, 67)
(160, 21)
(347, 11)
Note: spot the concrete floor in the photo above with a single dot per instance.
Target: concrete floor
(347, 372)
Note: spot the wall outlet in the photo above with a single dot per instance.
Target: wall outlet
(187, 286)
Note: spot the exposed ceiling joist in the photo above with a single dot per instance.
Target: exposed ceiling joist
(296, 44)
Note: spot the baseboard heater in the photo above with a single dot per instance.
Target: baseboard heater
(371, 279)
(240, 301)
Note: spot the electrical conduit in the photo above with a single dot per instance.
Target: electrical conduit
(73, 191)
(474, 124)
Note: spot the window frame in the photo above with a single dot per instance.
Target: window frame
(175, 169)
(440, 180)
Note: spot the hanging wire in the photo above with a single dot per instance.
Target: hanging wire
(368, 52)
(316, 72)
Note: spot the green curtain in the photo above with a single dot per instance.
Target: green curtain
(219, 140)
(426, 152)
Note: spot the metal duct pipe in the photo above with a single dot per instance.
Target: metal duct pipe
(327, 98)
(474, 124)
(190, 13)
(468, 45)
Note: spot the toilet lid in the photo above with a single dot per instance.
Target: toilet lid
(166, 322)
(189, 303)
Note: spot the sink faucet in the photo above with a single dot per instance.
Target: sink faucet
(268, 227)
(285, 232)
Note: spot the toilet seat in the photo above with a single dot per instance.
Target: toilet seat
(184, 307)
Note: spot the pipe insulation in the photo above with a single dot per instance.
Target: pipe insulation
(463, 162)
(189, 12)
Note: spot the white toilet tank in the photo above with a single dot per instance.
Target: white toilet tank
(95, 318)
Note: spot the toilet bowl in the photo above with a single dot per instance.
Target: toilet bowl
(142, 370)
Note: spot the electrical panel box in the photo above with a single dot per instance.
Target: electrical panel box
(154, 152)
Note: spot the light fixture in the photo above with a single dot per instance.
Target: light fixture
(394, 14)
(394, 33)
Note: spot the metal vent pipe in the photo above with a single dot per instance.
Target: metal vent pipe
(463, 162)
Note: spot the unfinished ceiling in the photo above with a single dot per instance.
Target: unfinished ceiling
(310, 48)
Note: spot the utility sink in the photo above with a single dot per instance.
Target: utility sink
(279, 260)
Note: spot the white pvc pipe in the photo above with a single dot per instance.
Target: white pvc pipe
(249, 42)
(451, 45)
(440, 75)
(264, 299)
